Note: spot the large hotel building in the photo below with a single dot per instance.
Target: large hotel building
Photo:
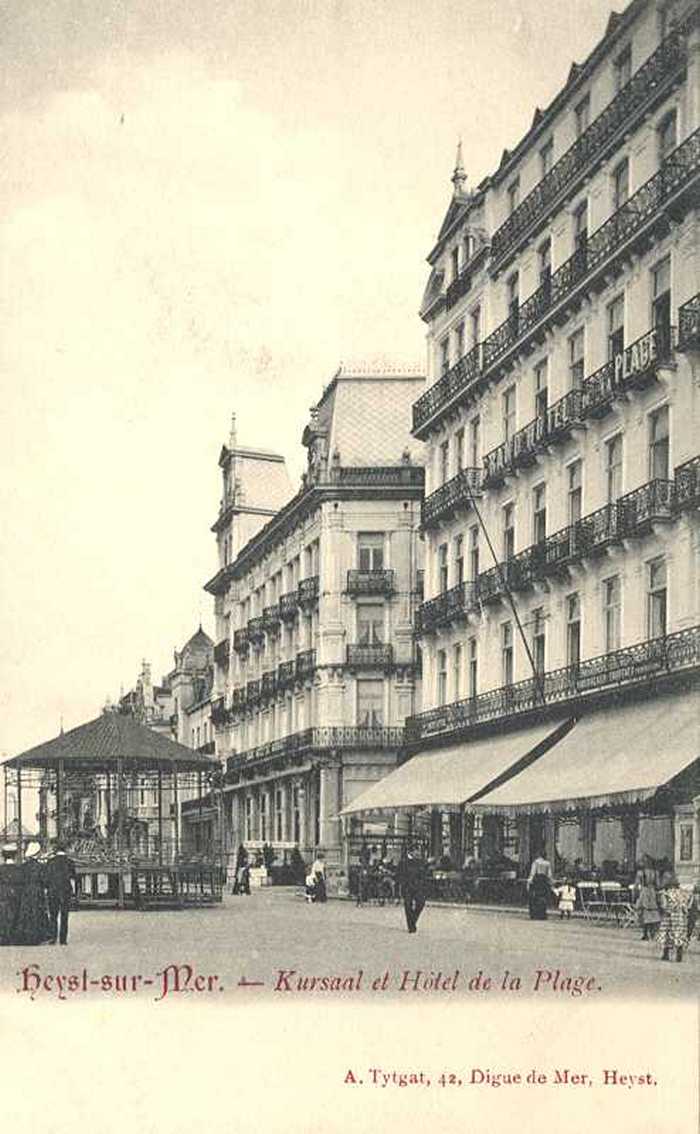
(560, 630)
(315, 599)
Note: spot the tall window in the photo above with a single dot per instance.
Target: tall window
(444, 462)
(279, 814)
(620, 184)
(513, 195)
(263, 816)
(576, 359)
(475, 442)
(623, 68)
(459, 450)
(508, 412)
(442, 566)
(659, 444)
(473, 667)
(249, 818)
(661, 304)
(444, 356)
(575, 491)
(370, 624)
(539, 514)
(657, 600)
(513, 297)
(616, 326)
(611, 613)
(581, 226)
(507, 653)
(541, 389)
(459, 340)
(370, 704)
(370, 551)
(296, 813)
(475, 325)
(456, 671)
(582, 115)
(573, 630)
(544, 262)
(455, 263)
(613, 467)
(474, 553)
(508, 531)
(459, 560)
(666, 135)
(546, 157)
(538, 640)
(441, 677)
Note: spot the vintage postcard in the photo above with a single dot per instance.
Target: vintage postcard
(350, 740)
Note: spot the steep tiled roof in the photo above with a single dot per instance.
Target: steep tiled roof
(369, 418)
(112, 737)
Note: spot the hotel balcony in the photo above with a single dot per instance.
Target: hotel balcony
(312, 740)
(375, 656)
(662, 194)
(271, 619)
(516, 574)
(288, 606)
(240, 640)
(453, 496)
(447, 607)
(256, 630)
(285, 674)
(307, 595)
(689, 325)
(566, 687)
(305, 664)
(454, 381)
(252, 692)
(643, 92)
(222, 652)
(379, 582)
(268, 684)
(238, 699)
(688, 484)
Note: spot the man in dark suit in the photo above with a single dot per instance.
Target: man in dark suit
(413, 879)
(59, 880)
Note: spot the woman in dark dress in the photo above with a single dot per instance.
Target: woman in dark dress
(24, 910)
(539, 888)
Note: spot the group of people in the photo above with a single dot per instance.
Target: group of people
(666, 912)
(36, 898)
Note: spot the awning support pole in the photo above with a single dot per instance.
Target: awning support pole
(20, 843)
(120, 830)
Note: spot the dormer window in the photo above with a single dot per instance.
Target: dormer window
(623, 68)
(513, 195)
(666, 135)
(546, 157)
(455, 263)
(582, 114)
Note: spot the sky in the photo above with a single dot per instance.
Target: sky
(205, 208)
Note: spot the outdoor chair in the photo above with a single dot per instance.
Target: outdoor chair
(592, 901)
(618, 903)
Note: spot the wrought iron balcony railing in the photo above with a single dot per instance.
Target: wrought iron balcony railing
(461, 285)
(271, 618)
(288, 606)
(628, 666)
(222, 652)
(454, 494)
(688, 484)
(240, 640)
(516, 574)
(689, 325)
(307, 595)
(305, 664)
(252, 692)
(676, 172)
(379, 582)
(256, 630)
(268, 684)
(453, 381)
(320, 739)
(644, 88)
(455, 603)
(285, 674)
(375, 656)
(387, 476)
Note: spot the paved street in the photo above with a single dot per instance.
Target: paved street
(255, 937)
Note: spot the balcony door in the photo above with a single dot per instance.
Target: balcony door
(370, 624)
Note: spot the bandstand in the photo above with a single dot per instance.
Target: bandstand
(111, 791)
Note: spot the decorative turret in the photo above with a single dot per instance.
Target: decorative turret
(459, 177)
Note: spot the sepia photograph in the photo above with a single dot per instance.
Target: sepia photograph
(350, 744)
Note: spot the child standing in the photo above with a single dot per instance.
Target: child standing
(675, 904)
(567, 899)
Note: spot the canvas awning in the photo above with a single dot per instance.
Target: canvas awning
(451, 776)
(616, 756)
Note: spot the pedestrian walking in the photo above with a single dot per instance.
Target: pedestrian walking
(241, 882)
(539, 888)
(647, 884)
(318, 870)
(59, 879)
(675, 904)
(412, 878)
